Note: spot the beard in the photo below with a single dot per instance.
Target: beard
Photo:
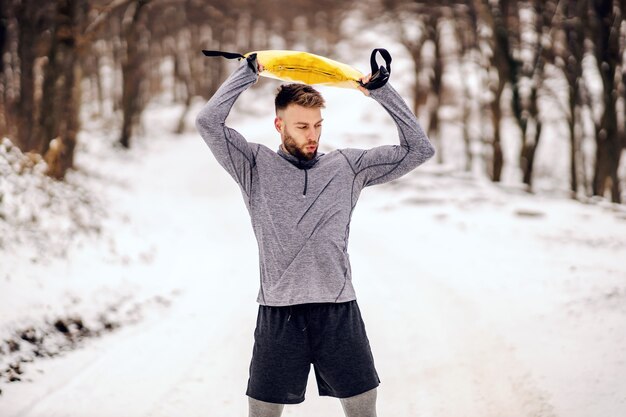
(290, 145)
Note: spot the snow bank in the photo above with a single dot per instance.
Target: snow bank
(64, 265)
(39, 216)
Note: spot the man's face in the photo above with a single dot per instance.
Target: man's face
(300, 129)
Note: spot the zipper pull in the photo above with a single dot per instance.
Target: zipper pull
(306, 180)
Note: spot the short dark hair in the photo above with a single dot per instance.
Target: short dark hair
(301, 94)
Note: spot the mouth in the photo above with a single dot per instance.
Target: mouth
(311, 148)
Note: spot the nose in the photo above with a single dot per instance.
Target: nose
(310, 135)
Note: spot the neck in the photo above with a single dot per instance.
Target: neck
(298, 162)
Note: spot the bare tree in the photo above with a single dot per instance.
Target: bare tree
(133, 72)
(31, 23)
(4, 10)
(70, 15)
(571, 59)
(501, 19)
(466, 31)
(417, 24)
(433, 34)
(604, 29)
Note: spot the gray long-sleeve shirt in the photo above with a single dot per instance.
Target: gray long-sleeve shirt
(301, 210)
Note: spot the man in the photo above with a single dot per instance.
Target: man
(300, 202)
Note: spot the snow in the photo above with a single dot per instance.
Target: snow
(479, 299)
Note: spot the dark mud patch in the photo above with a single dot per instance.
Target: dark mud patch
(53, 337)
(529, 213)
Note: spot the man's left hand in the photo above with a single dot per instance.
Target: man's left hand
(365, 79)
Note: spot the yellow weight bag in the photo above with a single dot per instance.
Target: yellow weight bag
(307, 68)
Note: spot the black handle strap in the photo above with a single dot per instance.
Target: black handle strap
(234, 55)
(227, 55)
(386, 56)
(380, 75)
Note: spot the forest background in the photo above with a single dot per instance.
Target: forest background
(499, 85)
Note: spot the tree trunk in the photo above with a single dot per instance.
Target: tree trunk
(50, 114)
(186, 75)
(467, 140)
(507, 68)
(60, 153)
(436, 84)
(3, 45)
(608, 141)
(98, 85)
(181, 121)
(420, 96)
(132, 72)
(528, 154)
(26, 16)
(466, 29)
(576, 14)
(3, 32)
(496, 119)
(528, 116)
(574, 145)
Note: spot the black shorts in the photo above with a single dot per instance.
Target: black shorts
(287, 340)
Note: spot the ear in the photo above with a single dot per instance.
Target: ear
(278, 124)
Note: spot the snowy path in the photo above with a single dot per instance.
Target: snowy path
(472, 309)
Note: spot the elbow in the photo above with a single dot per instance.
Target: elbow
(425, 148)
(207, 121)
(199, 122)
(429, 151)
(421, 152)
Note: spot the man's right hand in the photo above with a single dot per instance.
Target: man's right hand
(259, 68)
(253, 63)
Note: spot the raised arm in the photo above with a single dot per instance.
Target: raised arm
(230, 149)
(388, 162)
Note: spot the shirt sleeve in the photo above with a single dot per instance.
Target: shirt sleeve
(229, 147)
(389, 162)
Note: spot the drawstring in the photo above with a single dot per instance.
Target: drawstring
(289, 318)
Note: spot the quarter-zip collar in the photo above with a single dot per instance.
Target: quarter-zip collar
(302, 164)
(299, 163)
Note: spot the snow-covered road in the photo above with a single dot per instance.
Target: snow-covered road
(478, 301)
